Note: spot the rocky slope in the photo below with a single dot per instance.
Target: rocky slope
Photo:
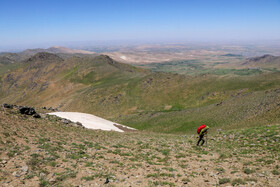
(47, 152)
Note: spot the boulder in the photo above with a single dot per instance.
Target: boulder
(7, 106)
(43, 115)
(65, 121)
(27, 110)
(36, 115)
(79, 124)
(24, 169)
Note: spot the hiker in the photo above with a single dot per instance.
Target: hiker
(202, 130)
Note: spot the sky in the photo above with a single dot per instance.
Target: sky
(38, 22)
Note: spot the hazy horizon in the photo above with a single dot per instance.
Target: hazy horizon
(33, 24)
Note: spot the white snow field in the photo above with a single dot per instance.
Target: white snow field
(90, 121)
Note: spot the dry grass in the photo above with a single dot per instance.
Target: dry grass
(60, 155)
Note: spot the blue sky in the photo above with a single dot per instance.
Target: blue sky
(26, 22)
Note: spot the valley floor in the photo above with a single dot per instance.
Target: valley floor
(47, 152)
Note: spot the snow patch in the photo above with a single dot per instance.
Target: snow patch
(90, 121)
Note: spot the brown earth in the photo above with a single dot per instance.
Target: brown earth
(46, 152)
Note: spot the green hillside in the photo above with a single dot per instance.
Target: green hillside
(159, 102)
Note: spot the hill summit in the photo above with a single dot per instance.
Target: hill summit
(59, 49)
(55, 50)
(265, 61)
(44, 56)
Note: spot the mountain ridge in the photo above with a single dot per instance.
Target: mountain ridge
(264, 61)
(56, 49)
(140, 98)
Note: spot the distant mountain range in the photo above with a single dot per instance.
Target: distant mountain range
(55, 50)
(6, 57)
(265, 61)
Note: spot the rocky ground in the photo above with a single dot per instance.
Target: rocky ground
(47, 151)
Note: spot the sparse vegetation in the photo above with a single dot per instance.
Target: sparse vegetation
(238, 181)
(248, 171)
(59, 155)
(224, 180)
(145, 100)
(241, 107)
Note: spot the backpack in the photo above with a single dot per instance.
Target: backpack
(200, 128)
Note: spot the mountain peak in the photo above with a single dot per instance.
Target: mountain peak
(56, 46)
(44, 56)
(263, 61)
(60, 49)
(55, 50)
(266, 56)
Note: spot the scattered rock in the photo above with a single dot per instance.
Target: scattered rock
(52, 180)
(231, 136)
(42, 175)
(220, 103)
(212, 174)
(16, 174)
(24, 169)
(79, 124)
(23, 110)
(52, 109)
(43, 115)
(4, 161)
(36, 116)
(7, 106)
(261, 175)
(65, 121)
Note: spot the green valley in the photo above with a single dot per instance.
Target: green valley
(152, 101)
